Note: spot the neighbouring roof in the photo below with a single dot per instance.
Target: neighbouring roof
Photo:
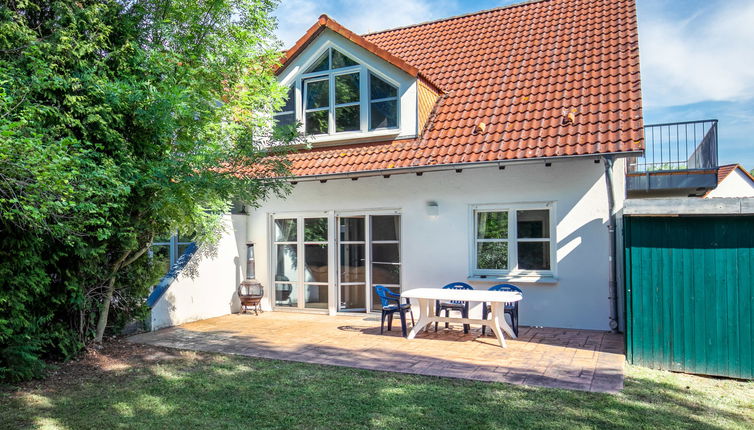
(520, 70)
(724, 171)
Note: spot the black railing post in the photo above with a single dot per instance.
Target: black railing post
(700, 149)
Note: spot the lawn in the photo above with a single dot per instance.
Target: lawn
(144, 387)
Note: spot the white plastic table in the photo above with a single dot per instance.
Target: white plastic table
(497, 300)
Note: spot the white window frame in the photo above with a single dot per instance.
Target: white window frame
(371, 101)
(333, 243)
(512, 240)
(368, 242)
(300, 244)
(329, 108)
(364, 101)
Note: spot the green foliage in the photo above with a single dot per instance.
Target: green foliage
(492, 225)
(119, 121)
(492, 255)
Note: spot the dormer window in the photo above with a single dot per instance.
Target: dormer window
(331, 59)
(383, 104)
(287, 114)
(340, 95)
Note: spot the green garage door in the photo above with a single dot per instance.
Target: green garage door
(689, 294)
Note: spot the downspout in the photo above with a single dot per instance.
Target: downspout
(612, 234)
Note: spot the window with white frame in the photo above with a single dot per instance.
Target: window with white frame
(513, 240)
(341, 95)
(383, 104)
(300, 255)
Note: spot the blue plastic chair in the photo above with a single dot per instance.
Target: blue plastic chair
(386, 296)
(510, 308)
(454, 305)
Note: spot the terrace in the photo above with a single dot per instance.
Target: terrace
(680, 159)
(574, 359)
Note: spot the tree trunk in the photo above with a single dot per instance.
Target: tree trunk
(121, 263)
(102, 321)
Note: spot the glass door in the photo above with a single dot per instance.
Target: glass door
(352, 274)
(369, 255)
(385, 255)
(363, 252)
(316, 267)
(301, 240)
(286, 262)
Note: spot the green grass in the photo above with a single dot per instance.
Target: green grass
(215, 391)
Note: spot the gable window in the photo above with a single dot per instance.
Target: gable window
(287, 114)
(335, 99)
(513, 240)
(383, 104)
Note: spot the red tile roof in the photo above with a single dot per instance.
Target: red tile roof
(522, 70)
(325, 22)
(724, 171)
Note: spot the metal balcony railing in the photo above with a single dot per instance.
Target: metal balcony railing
(677, 146)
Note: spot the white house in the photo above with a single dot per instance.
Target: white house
(486, 148)
(732, 181)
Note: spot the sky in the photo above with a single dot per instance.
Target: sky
(697, 56)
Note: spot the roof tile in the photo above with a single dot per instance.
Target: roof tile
(517, 69)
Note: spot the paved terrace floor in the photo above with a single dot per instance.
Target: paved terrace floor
(560, 358)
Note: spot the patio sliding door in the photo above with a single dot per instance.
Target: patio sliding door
(369, 255)
(353, 268)
(332, 262)
(316, 263)
(301, 262)
(385, 255)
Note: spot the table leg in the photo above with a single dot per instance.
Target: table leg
(503, 323)
(424, 313)
(497, 313)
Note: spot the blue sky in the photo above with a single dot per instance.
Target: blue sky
(697, 56)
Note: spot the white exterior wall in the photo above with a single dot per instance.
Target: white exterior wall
(435, 250)
(736, 184)
(212, 292)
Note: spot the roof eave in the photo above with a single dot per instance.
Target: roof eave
(452, 166)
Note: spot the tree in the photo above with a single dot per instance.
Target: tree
(121, 121)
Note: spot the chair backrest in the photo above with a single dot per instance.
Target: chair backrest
(382, 293)
(457, 286)
(505, 287)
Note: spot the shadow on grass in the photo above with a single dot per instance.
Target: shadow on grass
(218, 391)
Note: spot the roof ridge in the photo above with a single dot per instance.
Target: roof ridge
(326, 22)
(434, 21)
(733, 167)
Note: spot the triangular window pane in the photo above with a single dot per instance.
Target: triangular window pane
(339, 60)
(379, 89)
(322, 63)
